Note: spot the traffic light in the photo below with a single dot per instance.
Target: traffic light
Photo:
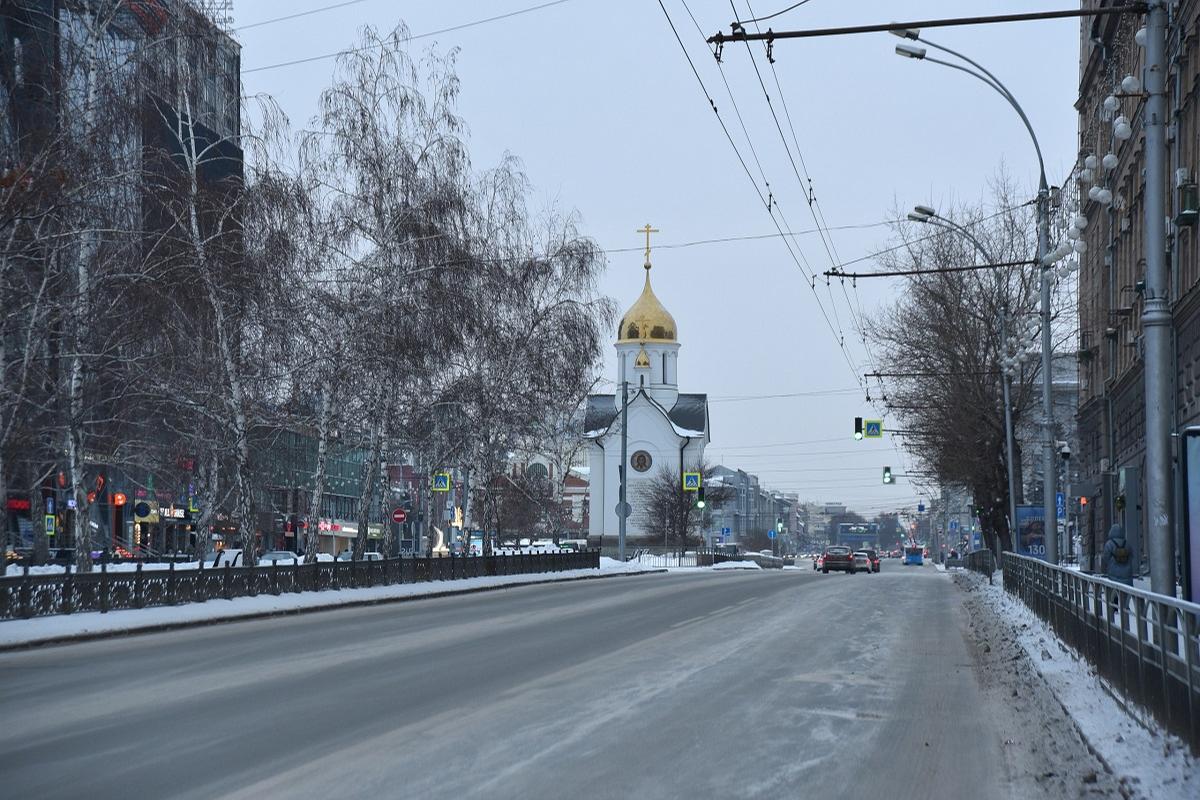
(858, 428)
(887, 475)
(700, 497)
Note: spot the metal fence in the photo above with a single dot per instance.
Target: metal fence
(981, 561)
(30, 595)
(1146, 646)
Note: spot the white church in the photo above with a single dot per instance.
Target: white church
(665, 427)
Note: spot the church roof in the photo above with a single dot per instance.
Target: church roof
(689, 415)
(647, 320)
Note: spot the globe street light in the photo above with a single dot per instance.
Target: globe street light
(1043, 216)
(929, 216)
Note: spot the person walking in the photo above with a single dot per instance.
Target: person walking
(1117, 558)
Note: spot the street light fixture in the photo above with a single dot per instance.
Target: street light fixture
(1049, 482)
(910, 51)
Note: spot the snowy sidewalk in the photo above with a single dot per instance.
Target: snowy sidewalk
(1147, 762)
(94, 625)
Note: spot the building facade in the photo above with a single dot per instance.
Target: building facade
(1112, 399)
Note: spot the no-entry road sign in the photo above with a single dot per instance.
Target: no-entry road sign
(399, 515)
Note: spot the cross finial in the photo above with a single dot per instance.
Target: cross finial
(647, 230)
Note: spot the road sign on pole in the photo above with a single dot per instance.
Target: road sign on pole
(1060, 505)
(441, 481)
(691, 481)
(724, 531)
(399, 515)
(873, 429)
(623, 510)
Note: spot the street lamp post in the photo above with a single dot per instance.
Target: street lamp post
(927, 215)
(1043, 248)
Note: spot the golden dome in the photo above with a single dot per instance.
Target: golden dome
(646, 320)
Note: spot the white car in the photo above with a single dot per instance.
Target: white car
(278, 557)
(862, 561)
(348, 555)
(219, 558)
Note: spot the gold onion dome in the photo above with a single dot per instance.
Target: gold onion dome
(647, 320)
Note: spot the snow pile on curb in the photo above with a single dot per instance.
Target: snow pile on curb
(1147, 762)
(724, 565)
(92, 623)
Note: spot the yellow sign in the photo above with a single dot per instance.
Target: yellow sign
(441, 481)
(48, 521)
(691, 481)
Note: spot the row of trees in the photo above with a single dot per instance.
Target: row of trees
(941, 341)
(176, 289)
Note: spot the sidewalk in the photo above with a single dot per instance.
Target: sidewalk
(94, 625)
(1148, 763)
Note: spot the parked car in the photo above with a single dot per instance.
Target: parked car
(279, 557)
(370, 555)
(874, 556)
(219, 558)
(862, 561)
(837, 557)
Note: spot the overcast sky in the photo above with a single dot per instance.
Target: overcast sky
(598, 100)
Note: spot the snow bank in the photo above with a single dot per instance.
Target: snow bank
(41, 629)
(1147, 761)
(724, 565)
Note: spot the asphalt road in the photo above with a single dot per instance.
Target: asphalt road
(772, 684)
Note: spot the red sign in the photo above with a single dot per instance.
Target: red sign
(119, 499)
(18, 504)
(399, 516)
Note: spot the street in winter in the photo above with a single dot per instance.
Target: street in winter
(672, 399)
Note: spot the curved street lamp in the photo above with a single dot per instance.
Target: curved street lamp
(1043, 214)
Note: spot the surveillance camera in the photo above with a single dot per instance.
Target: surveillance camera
(1064, 450)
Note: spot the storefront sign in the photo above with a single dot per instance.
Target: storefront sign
(171, 513)
(19, 504)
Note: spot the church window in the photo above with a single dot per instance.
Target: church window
(537, 472)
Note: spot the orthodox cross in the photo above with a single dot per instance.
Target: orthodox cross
(647, 230)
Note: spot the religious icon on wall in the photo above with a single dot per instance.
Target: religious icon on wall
(641, 461)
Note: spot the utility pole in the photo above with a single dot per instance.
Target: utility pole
(1049, 507)
(1008, 445)
(622, 506)
(1156, 317)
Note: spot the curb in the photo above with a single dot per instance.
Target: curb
(199, 623)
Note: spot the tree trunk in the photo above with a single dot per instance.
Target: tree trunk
(313, 526)
(370, 469)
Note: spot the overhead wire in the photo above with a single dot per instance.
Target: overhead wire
(768, 201)
(413, 37)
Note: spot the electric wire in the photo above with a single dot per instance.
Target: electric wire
(414, 37)
(766, 202)
(745, 22)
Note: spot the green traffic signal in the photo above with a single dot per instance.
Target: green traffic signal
(858, 428)
(700, 497)
(887, 475)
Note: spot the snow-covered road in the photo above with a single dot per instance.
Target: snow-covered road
(764, 683)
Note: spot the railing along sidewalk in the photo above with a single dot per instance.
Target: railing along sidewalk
(1146, 646)
(32, 595)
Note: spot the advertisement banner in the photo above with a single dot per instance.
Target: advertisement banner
(1031, 531)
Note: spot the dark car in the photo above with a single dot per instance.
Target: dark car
(837, 557)
(874, 556)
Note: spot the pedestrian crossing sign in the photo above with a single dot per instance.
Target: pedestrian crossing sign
(873, 429)
(691, 481)
(441, 481)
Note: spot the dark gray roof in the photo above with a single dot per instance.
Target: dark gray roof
(689, 412)
(600, 413)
